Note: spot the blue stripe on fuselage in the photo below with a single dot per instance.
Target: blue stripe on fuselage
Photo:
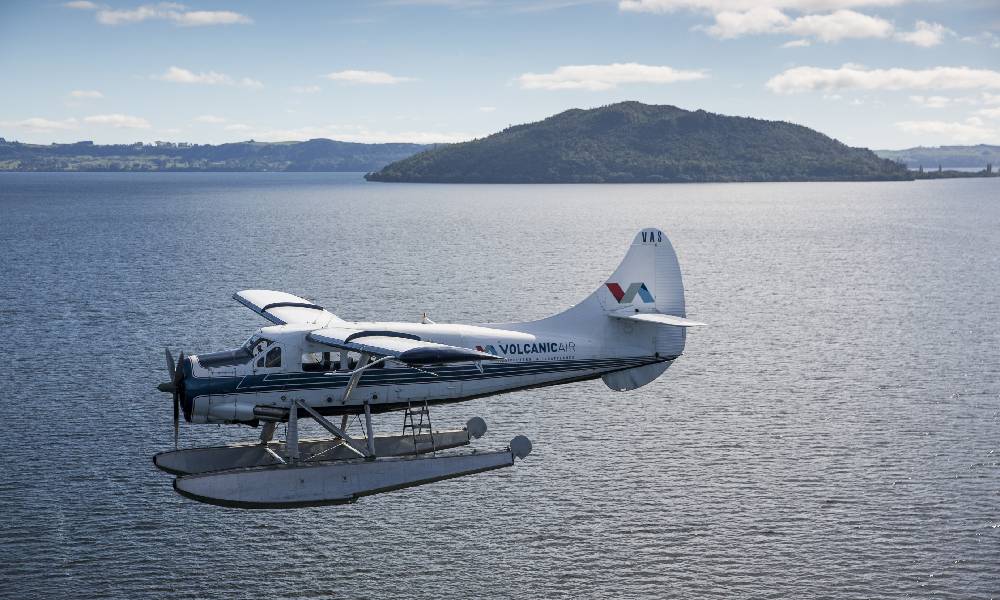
(405, 376)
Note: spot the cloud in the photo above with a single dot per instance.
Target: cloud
(118, 121)
(986, 38)
(989, 113)
(210, 119)
(201, 18)
(39, 124)
(366, 77)
(86, 95)
(716, 6)
(238, 127)
(304, 89)
(827, 28)
(925, 35)
(931, 101)
(487, 109)
(808, 79)
(970, 131)
(825, 20)
(179, 75)
(797, 44)
(604, 77)
(163, 11)
(832, 27)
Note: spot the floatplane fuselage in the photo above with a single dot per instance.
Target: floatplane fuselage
(310, 362)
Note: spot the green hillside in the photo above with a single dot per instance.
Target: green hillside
(634, 142)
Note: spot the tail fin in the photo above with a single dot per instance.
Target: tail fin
(639, 310)
(648, 280)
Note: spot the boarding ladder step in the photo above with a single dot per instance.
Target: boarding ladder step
(418, 426)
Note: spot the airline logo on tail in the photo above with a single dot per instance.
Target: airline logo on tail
(627, 296)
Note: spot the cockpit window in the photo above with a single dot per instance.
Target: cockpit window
(273, 357)
(256, 344)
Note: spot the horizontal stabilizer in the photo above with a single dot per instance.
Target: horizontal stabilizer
(658, 318)
(404, 347)
(282, 308)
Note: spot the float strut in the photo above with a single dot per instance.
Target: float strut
(292, 438)
(371, 434)
(350, 442)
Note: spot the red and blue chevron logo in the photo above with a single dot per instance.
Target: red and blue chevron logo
(627, 296)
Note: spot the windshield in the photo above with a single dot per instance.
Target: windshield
(256, 344)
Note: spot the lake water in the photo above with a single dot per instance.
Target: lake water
(835, 432)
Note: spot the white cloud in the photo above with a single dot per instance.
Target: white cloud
(163, 11)
(716, 6)
(832, 27)
(179, 75)
(487, 109)
(797, 44)
(925, 34)
(808, 79)
(86, 95)
(827, 28)
(989, 113)
(304, 89)
(931, 101)
(118, 121)
(366, 77)
(201, 18)
(210, 119)
(763, 19)
(604, 77)
(840, 25)
(238, 127)
(989, 98)
(39, 124)
(970, 131)
(986, 38)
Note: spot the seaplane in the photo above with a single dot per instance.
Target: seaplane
(309, 363)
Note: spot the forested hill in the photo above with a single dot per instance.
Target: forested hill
(313, 155)
(634, 142)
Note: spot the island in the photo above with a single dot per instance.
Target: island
(311, 155)
(632, 142)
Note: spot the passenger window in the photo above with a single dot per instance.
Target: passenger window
(260, 361)
(273, 357)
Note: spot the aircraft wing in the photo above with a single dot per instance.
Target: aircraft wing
(658, 318)
(404, 347)
(282, 308)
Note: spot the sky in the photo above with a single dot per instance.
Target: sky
(876, 73)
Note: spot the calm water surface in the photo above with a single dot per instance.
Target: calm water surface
(833, 433)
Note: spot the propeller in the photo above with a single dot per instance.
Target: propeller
(173, 386)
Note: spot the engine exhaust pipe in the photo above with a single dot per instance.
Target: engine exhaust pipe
(270, 413)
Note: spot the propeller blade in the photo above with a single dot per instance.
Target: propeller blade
(177, 417)
(170, 362)
(177, 380)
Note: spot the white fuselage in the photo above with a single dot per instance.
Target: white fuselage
(533, 357)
